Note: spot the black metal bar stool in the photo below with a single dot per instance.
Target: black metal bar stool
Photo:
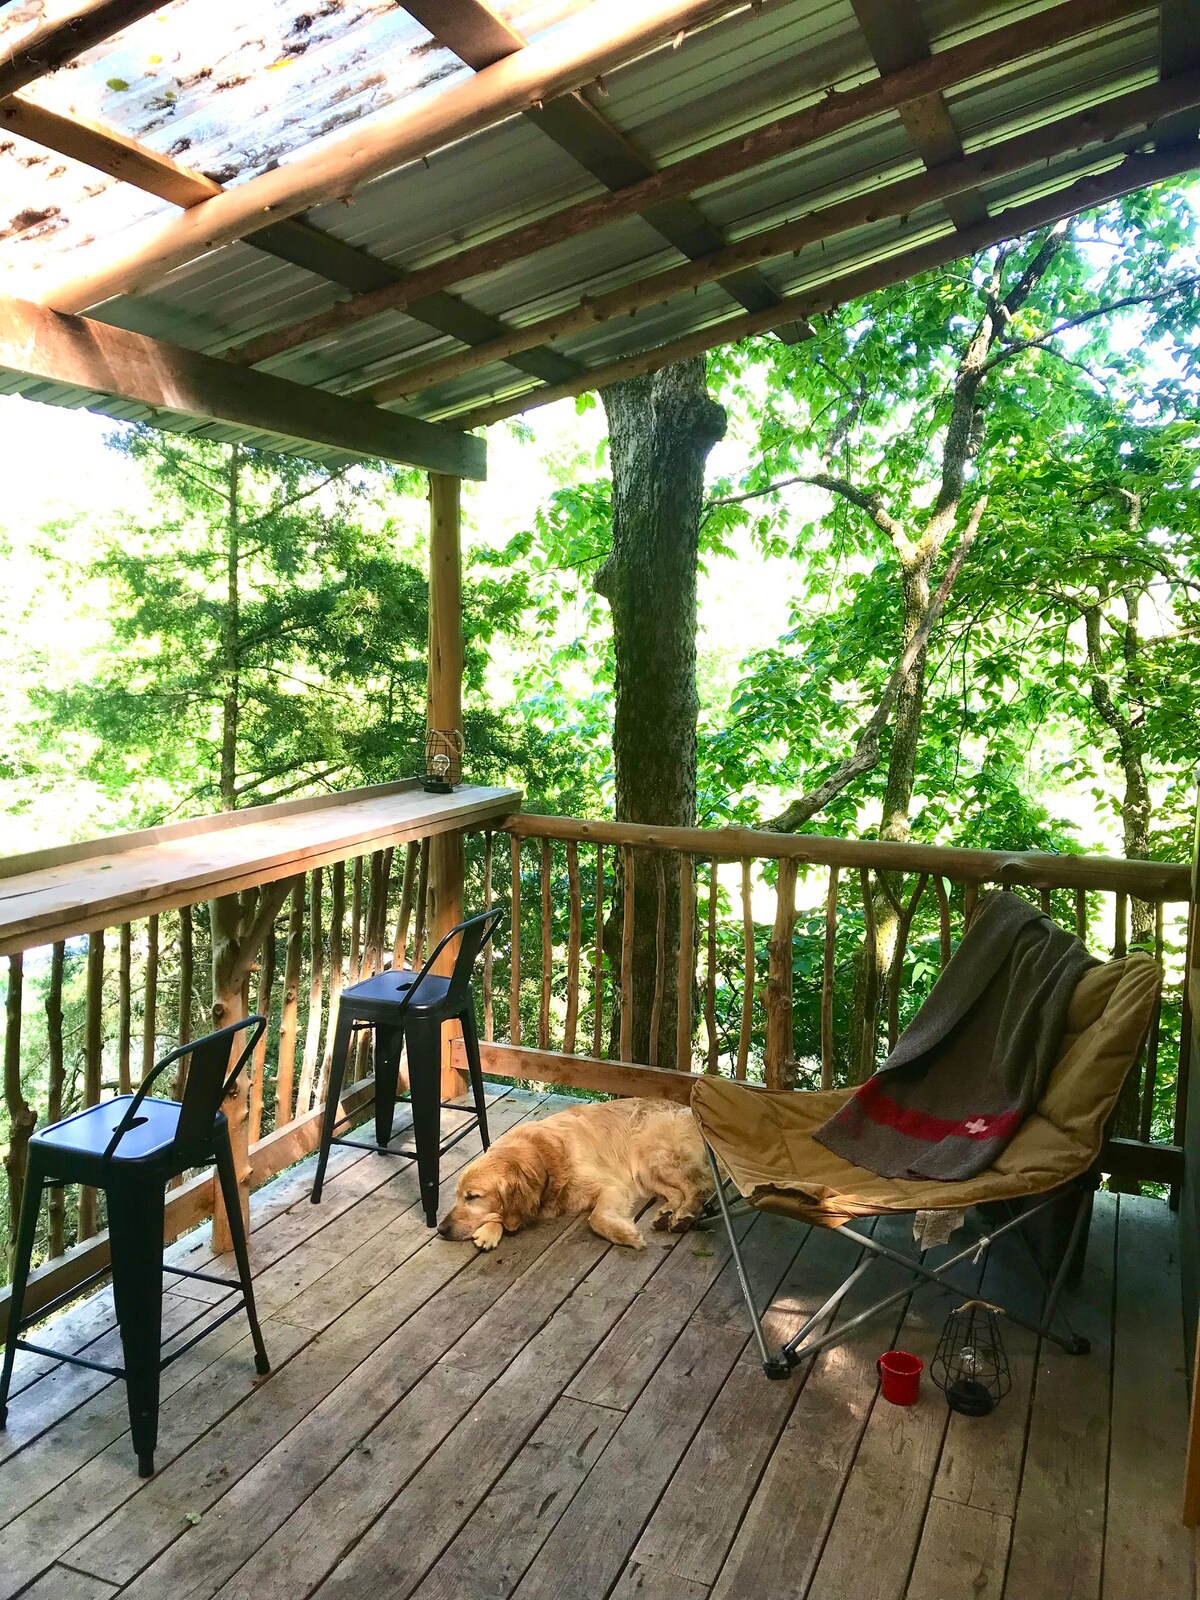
(131, 1147)
(407, 1009)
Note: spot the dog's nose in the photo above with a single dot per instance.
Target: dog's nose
(443, 1227)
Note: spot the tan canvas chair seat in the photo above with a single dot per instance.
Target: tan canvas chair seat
(764, 1141)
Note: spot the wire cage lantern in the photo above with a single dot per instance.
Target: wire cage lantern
(971, 1365)
(443, 760)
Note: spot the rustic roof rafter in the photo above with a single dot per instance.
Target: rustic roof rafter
(728, 158)
(477, 36)
(896, 38)
(909, 261)
(571, 55)
(1118, 127)
(74, 29)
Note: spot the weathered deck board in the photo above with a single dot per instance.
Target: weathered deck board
(1146, 1551)
(564, 1417)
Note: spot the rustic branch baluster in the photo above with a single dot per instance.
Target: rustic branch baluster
(150, 1004)
(1147, 1117)
(903, 924)
(93, 1054)
(489, 1010)
(422, 905)
(660, 955)
(828, 961)
(124, 1008)
(710, 975)
(258, 1067)
(778, 1060)
(869, 1040)
(312, 1031)
(598, 960)
(289, 1016)
(56, 1205)
(687, 965)
(629, 870)
(514, 968)
(22, 1118)
(574, 938)
(943, 900)
(748, 975)
(547, 949)
(1081, 913)
(408, 887)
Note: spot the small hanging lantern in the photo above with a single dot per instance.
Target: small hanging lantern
(443, 760)
(971, 1367)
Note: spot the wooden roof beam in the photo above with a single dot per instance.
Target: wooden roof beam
(597, 40)
(1119, 126)
(836, 111)
(70, 30)
(48, 347)
(908, 261)
(480, 38)
(896, 37)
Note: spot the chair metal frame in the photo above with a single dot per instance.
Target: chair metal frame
(392, 1015)
(799, 1348)
(201, 1139)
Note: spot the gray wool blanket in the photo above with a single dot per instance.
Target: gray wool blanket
(974, 1061)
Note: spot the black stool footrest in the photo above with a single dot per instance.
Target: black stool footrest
(447, 1143)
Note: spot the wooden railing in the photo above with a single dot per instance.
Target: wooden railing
(634, 958)
(638, 954)
(117, 999)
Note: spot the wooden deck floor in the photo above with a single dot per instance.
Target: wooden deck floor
(566, 1419)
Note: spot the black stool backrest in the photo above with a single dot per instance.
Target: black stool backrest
(209, 1079)
(475, 933)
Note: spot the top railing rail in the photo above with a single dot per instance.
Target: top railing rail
(1148, 880)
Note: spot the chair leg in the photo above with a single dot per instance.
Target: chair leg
(31, 1202)
(1076, 1344)
(773, 1366)
(389, 1043)
(475, 1069)
(135, 1230)
(227, 1175)
(423, 1038)
(333, 1095)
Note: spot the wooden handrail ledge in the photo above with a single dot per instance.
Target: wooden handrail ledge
(1149, 880)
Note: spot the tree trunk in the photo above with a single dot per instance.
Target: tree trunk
(873, 966)
(661, 429)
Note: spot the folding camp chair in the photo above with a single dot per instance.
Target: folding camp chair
(764, 1143)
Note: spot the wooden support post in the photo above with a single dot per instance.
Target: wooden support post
(444, 711)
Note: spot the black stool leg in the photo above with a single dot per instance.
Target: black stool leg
(475, 1069)
(333, 1094)
(227, 1174)
(135, 1231)
(26, 1234)
(389, 1042)
(423, 1037)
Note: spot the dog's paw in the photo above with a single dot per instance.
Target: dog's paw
(682, 1222)
(488, 1236)
(662, 1221)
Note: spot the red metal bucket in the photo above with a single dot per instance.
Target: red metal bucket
(900, 1376)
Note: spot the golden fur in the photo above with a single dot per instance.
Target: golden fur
(605, 1159)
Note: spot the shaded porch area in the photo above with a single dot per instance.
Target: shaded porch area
(565, 1417)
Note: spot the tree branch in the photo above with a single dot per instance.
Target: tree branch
(866, 749)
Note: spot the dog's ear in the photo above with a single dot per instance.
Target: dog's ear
(522, 1183)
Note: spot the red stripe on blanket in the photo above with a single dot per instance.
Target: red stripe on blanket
(881, 1108)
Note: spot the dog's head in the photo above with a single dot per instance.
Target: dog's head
(504, 1187)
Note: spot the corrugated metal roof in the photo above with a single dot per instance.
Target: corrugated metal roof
(279, 78)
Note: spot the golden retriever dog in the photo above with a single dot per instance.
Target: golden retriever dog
(603, 1159)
